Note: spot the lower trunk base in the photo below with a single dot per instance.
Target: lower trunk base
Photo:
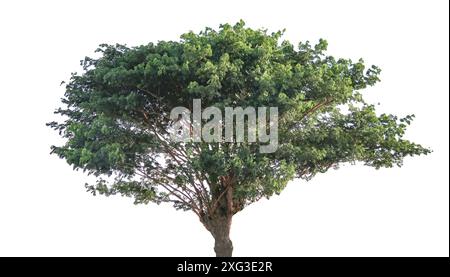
(223, 247)
(219, 227)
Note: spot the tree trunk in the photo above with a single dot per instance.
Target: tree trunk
(220, 230)
(218, 222)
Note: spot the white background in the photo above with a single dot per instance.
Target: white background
(355, 211)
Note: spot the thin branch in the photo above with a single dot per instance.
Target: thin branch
(315, 108)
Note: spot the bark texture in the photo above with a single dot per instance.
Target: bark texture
(218, 223)
(220, 230)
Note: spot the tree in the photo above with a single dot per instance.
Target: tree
(117, 120)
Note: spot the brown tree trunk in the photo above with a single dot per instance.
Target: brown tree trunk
(220, 230)
(218, 222)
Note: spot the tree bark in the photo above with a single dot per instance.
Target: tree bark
(218, 221)
(220, 230)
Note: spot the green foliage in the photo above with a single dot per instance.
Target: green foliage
(116, 117)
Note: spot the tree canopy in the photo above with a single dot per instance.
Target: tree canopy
(116, 119)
